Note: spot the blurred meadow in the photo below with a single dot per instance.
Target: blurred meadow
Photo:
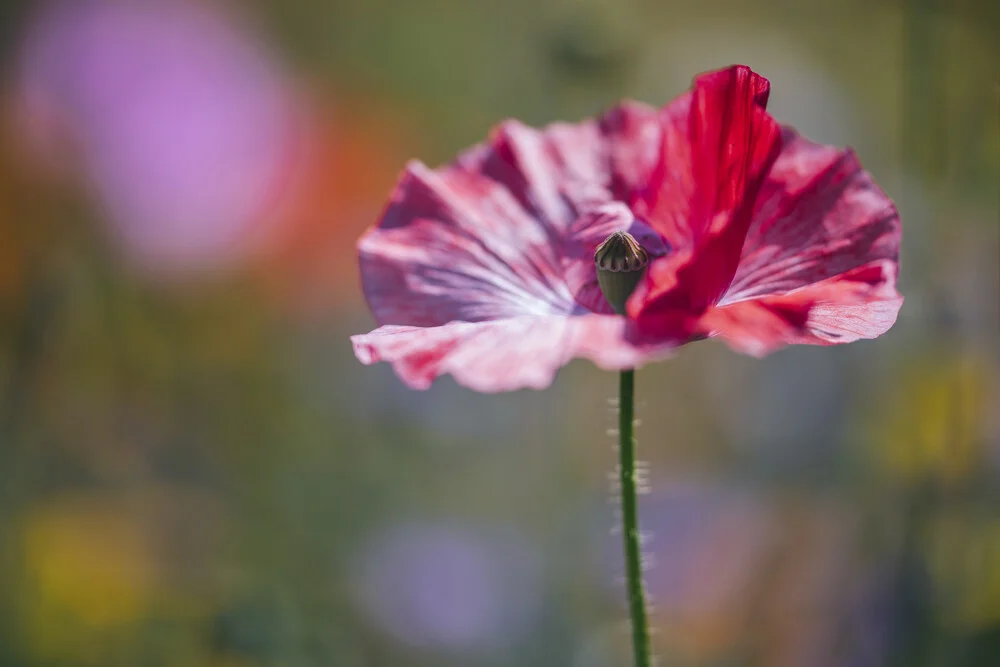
(196, 472)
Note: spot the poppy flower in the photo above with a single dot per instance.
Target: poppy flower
(736, 227)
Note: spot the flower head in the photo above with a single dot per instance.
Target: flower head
(485, 268)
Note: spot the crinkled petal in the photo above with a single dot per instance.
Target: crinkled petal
(493, 235)
(717, 144)
(458, 246)
(819, 214)
(502, 355)
(702, 199)
(633, 133)
(860, 303)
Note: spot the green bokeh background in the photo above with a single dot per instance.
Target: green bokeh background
(198, 474)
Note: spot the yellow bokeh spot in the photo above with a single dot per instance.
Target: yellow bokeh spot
(933, 425)
(89, 569)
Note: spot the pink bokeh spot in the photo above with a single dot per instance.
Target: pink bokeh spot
(182, 124)
(483, 269)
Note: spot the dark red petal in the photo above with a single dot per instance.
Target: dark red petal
(501, 355)
(667, 198)
(703, 195)
(717, 143)
(860, 303)
(818, 215)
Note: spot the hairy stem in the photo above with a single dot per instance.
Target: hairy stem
(630, 519)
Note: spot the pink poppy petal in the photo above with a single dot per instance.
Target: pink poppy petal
(633, 134)
(458, 247)
(818, 215)
(502, 231)
(563, 170)
(502, 355)
(553, 173)
(575, 178)
(860, 303)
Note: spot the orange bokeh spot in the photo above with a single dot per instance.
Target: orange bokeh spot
(309, 257)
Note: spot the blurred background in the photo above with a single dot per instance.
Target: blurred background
(195, 471)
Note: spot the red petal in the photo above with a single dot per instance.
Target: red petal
(861, 303)
(818, 215)
(501, 355)
(718, 145)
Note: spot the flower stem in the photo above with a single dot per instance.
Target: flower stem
(630, 519)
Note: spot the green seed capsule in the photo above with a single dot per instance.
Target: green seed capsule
(620, 262)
